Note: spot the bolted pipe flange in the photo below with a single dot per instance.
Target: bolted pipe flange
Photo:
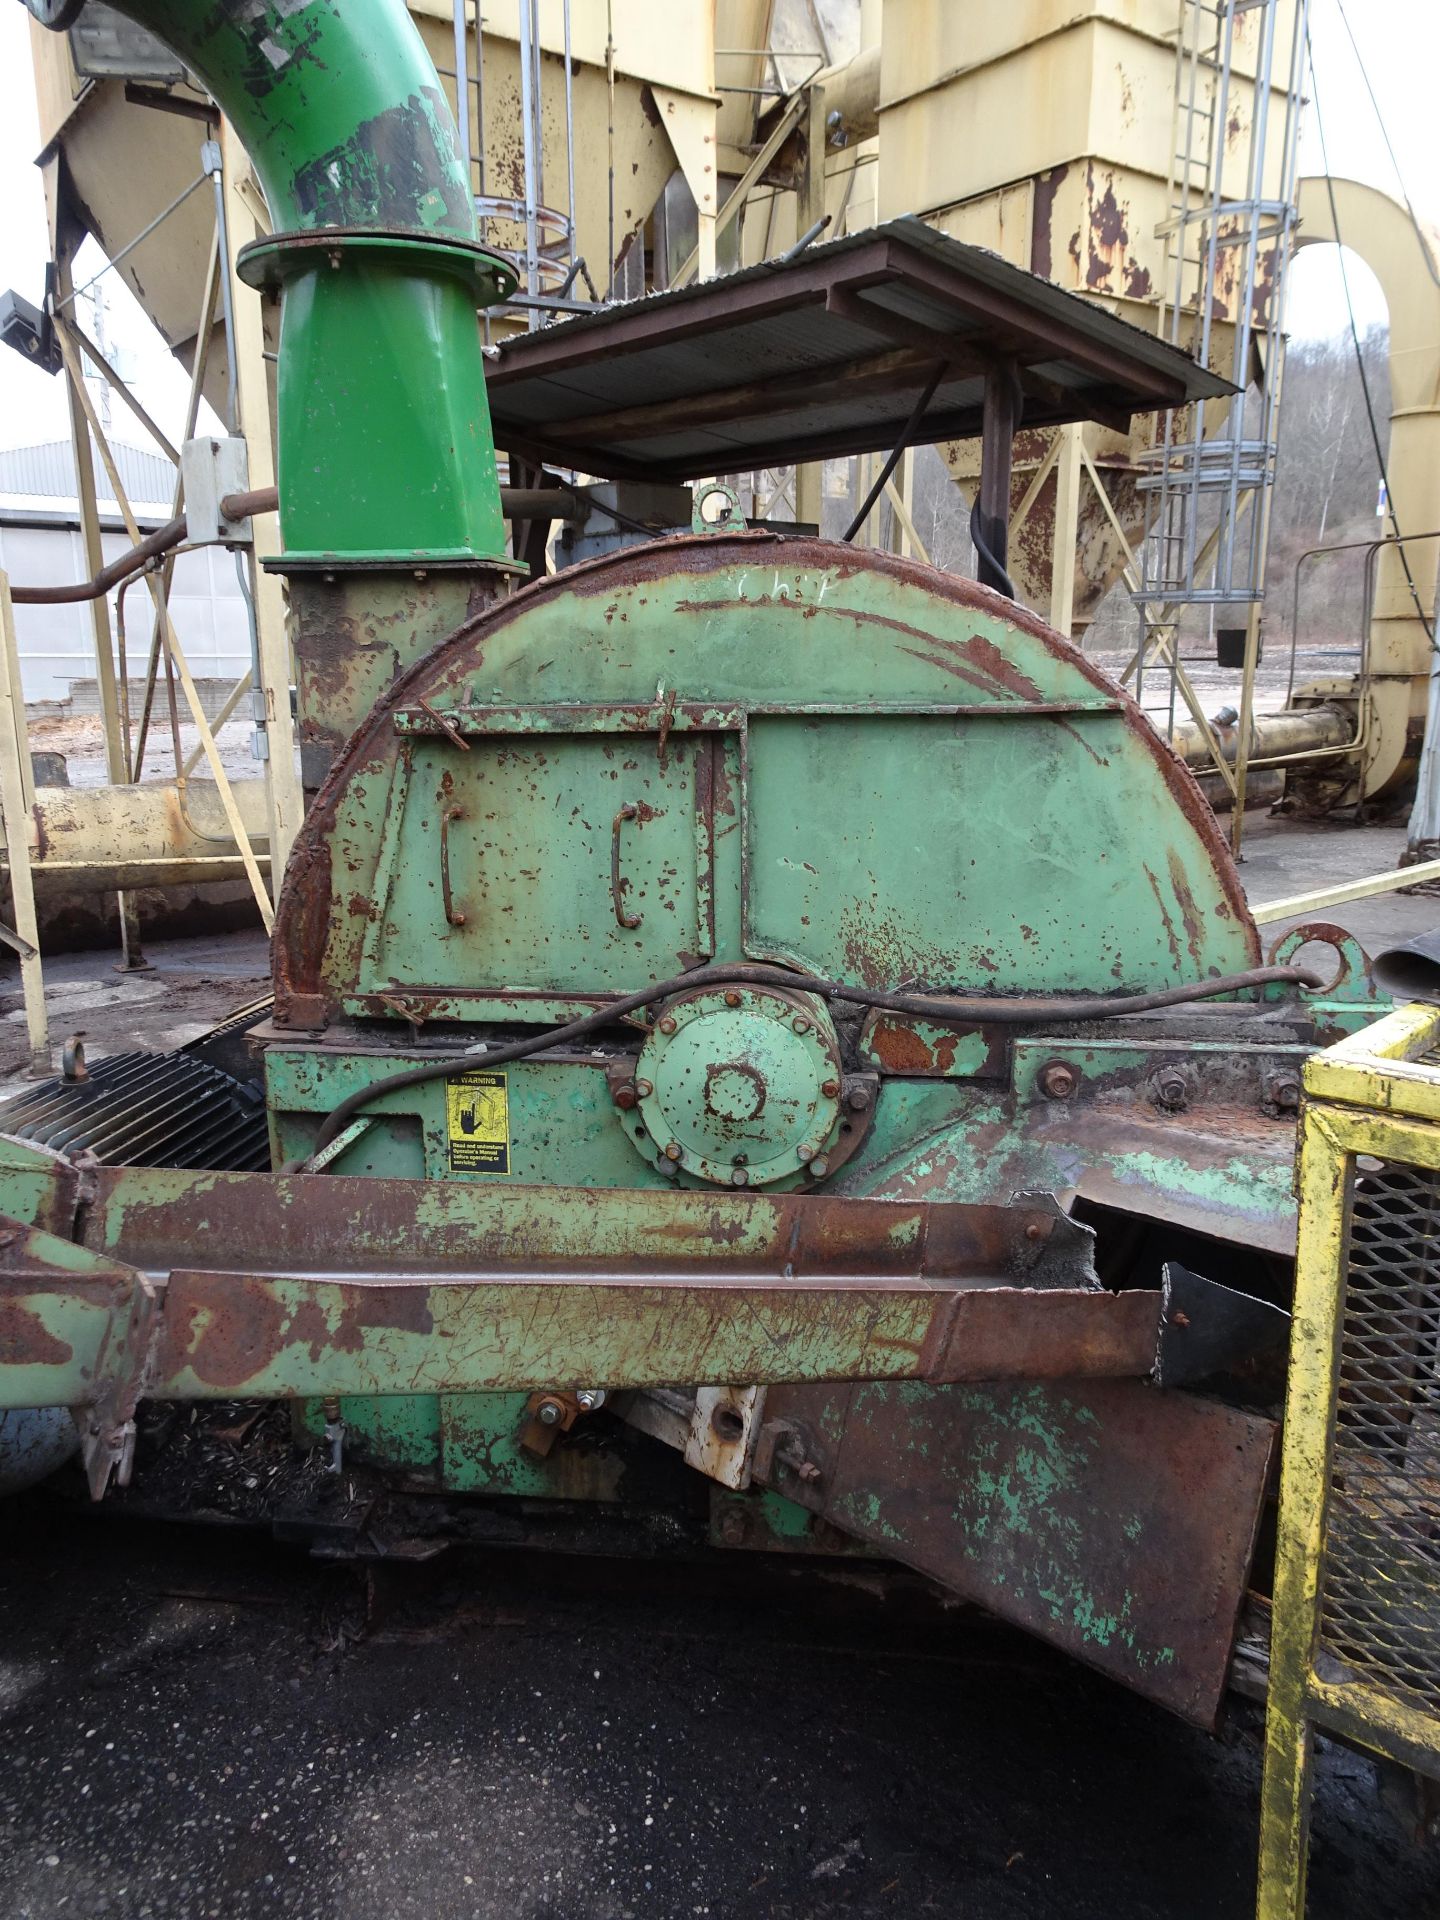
(740, 1087)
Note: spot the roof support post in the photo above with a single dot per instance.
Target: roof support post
(1066, 536)
(15, 817)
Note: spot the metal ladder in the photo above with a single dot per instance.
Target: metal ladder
(1206, 523)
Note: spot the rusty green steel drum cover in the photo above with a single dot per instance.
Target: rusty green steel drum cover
(750, 748)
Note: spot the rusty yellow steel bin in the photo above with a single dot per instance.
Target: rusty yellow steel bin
(1355, 1643)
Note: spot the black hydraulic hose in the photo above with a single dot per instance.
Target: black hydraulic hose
(978, 541)
(976, 1010)
(910, 429)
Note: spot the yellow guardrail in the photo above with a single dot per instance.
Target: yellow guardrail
(1355, 1640)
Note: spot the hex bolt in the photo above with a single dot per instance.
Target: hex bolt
(643, 1089)
(739, 1178)
(732, 999)
(807, 1470)
(1172, 1090)
(549, 1413)
(667, 1025)
(804, 1152)
(1059, 1080)
(819, 1167)
(734, 1527)
(1282, 1090)
(829, 1088)
(858, 1099)
(627, 1095)
(672, 1150)
(801, 1024)
(590, 1399)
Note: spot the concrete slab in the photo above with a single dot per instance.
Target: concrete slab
(1284, 857)
(191, 986)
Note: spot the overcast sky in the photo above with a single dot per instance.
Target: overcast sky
(1399, 41)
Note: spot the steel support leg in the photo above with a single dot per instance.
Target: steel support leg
(14, 756)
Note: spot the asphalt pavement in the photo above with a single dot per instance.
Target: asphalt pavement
(201, 1723)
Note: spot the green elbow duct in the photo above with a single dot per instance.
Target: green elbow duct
(385, 452)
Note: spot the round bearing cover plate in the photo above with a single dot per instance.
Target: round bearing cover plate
(741, 1086)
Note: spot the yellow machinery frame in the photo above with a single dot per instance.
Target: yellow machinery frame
(1373, 1100)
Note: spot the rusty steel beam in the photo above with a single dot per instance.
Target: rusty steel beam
(963, 351)
(295, 1286)
(1040, 335)
(903, 370)
(802, 441)
(296, 1336)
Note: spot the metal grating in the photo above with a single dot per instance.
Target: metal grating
(148, 1110)
(1380, 1593)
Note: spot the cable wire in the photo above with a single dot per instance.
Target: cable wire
(1423, 243)
(944, 1009)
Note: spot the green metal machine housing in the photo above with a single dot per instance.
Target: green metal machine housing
(776, 1006)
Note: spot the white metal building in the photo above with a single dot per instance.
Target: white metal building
(41, 546)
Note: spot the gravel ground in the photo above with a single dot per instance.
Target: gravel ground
(199, 1724)
(81, 738)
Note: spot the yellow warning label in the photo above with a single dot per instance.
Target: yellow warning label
(477, 1122)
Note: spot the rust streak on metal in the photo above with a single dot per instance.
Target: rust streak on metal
(1015, 1334)
(26, 1341)
(1189, 913)
(1047, 186)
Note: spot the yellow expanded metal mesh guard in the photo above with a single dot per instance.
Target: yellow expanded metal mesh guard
(1355, 1643)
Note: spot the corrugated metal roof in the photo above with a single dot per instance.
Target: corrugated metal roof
(824, 354)
(47, 472)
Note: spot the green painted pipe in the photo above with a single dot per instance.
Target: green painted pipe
(385, 450)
